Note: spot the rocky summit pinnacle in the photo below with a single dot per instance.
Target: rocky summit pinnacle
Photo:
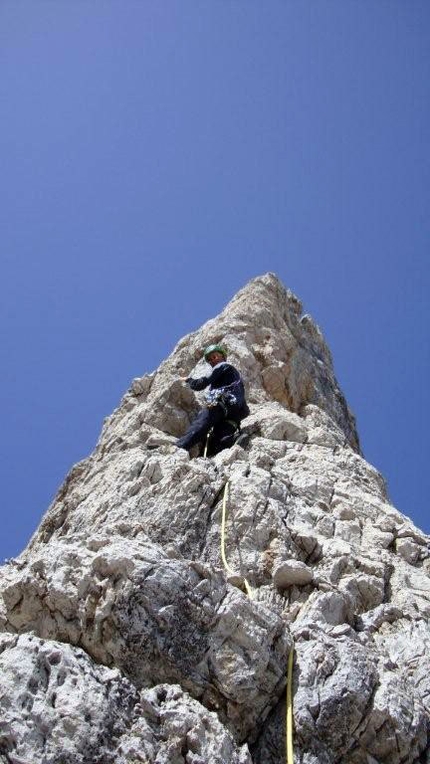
(127, 631)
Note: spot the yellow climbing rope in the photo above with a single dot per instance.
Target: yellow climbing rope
(205, 452)
(223, 556)
(223, 519)
(289, 700)
(289, 720)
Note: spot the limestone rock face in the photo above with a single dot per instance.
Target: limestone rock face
(123, 637)
(59, 706)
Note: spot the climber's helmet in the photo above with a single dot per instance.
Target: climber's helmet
(215, 354)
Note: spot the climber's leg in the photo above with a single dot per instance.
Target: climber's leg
(222, 436)
(199, 429)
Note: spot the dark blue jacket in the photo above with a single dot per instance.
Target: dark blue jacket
(226, 379)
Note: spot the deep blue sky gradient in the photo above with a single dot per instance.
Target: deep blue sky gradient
(155, 156)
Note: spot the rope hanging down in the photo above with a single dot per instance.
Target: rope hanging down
(223, 557)
(289, 700)
(205, 452)
(289, 720)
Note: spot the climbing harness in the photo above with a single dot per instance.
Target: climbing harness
(289, 699)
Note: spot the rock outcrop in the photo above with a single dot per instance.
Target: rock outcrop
(123, 638)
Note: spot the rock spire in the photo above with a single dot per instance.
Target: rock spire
(122, 637)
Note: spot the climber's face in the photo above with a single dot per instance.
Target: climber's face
(214, 358)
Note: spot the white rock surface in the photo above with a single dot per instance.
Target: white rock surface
(123, 586)
(292, 572)
(59, 707)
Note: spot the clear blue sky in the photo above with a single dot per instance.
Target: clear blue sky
(155, 156)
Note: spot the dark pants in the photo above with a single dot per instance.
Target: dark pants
(222, 434)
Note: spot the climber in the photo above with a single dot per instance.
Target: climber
(225, 406)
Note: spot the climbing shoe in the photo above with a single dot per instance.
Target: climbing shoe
(243, 440)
